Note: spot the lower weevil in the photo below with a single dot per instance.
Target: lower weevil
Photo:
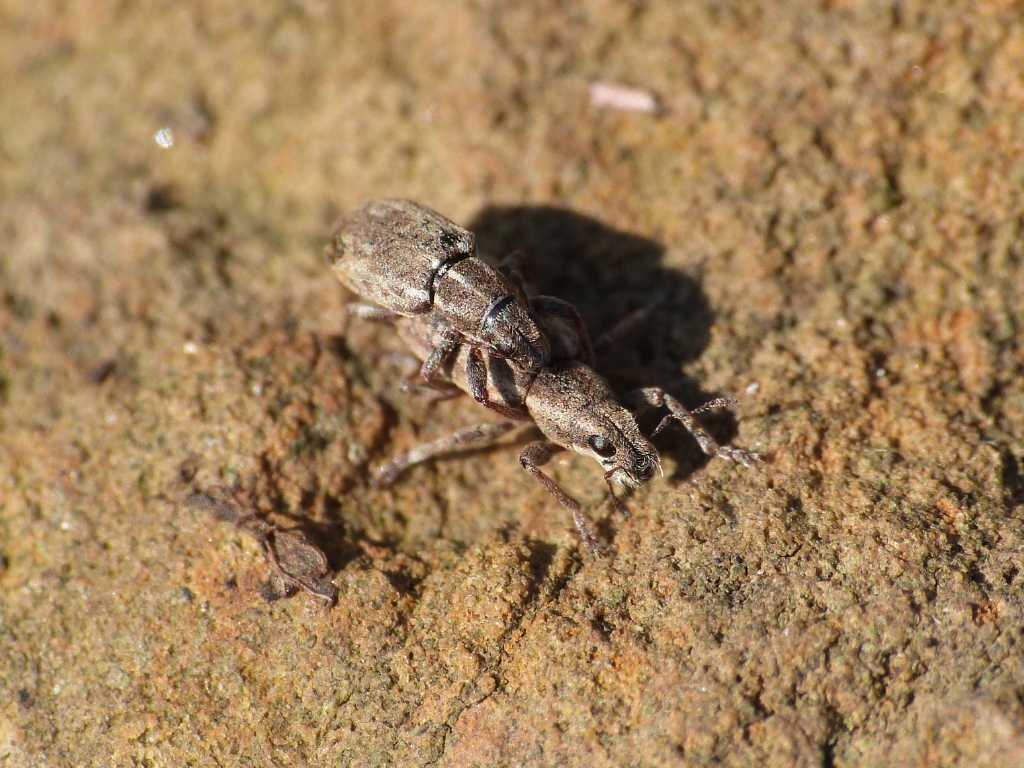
(571, 404)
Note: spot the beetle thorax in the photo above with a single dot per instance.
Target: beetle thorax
(484, 307)
(466, 292)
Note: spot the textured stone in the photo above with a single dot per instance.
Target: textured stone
(830, 203)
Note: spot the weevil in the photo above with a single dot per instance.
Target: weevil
(413, 262)
(572, 405)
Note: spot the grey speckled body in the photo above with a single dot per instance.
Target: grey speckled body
(412, 261)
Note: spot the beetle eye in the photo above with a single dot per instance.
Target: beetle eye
(602, 447)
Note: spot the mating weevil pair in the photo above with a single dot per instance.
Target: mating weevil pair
(413, 262)
(527, 357)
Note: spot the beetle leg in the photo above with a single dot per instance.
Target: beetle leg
(619, 504)
(370, 312)
(512, 268)
(626, 325)
(446, 346)
(478, 436)
(657, 397)
(533, 457)
(714, 405)
(476, 377)
(556, 307)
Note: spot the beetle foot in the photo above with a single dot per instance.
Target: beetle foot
(739, 455)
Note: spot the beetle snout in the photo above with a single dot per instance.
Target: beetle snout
(643, 470)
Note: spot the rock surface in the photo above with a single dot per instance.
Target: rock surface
(830, 205)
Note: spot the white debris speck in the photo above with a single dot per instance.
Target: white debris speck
(256, 388)
(164, 138)
(65, 525)
(190, 348)
(356, 453)
(753, 388)
(881, 373)
(616, 96)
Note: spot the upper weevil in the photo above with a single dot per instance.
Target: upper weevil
(412, 261)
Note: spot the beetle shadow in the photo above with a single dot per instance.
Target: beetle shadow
(608, 274)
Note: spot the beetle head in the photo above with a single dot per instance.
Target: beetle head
(575, 408)
(628, 461)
